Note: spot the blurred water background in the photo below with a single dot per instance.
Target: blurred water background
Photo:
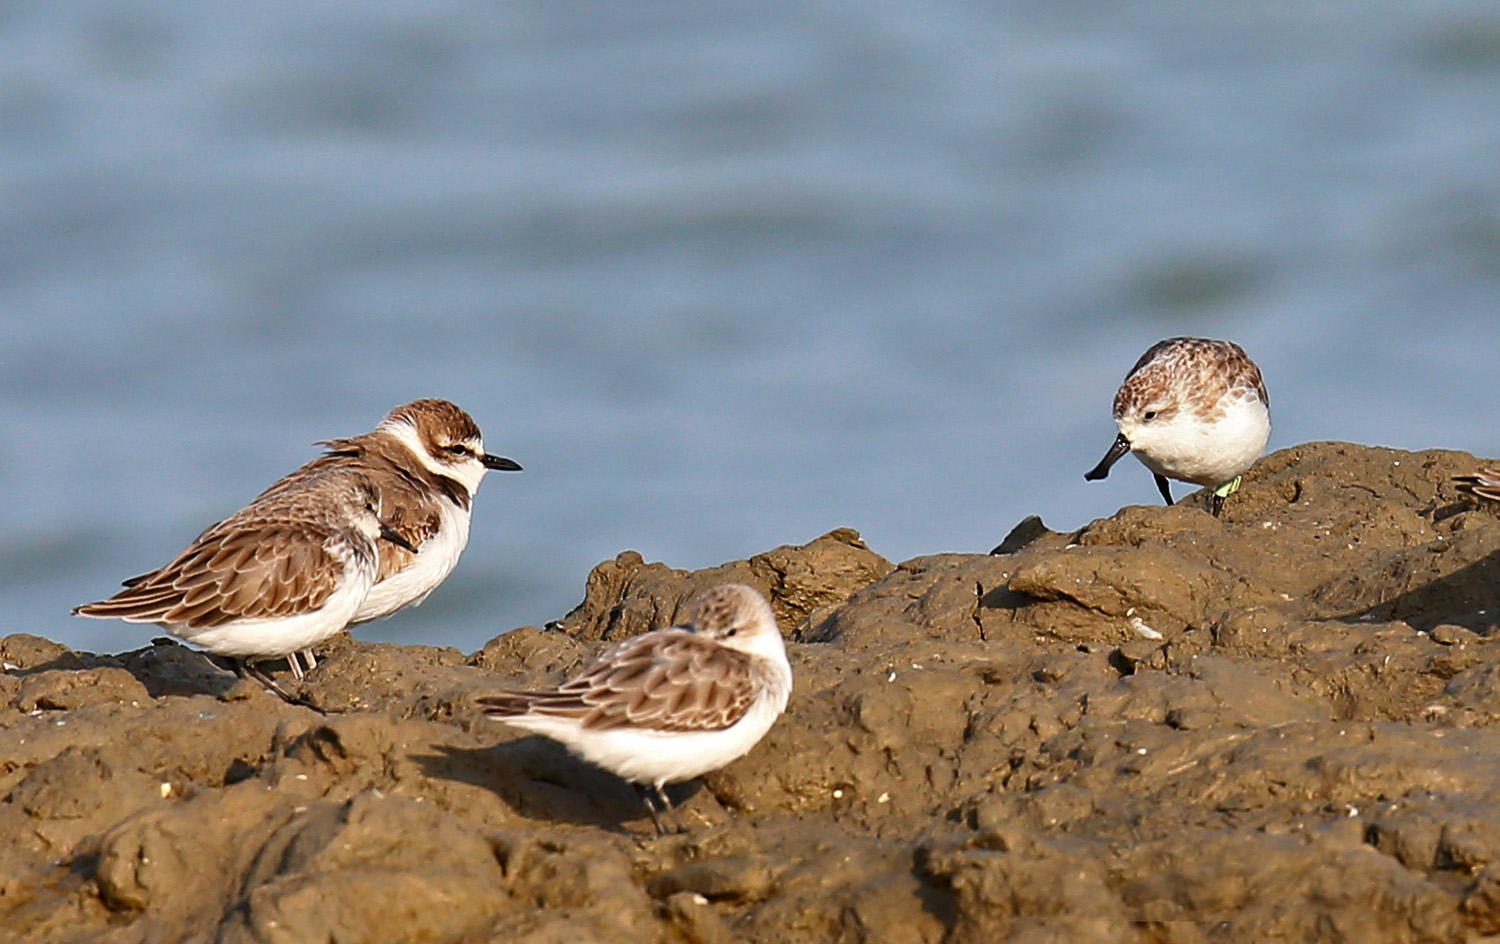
(720, 276)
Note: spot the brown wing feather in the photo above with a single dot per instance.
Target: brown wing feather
(230, 574)
(1258, 381)
(1484, 483)
(408, 509)
(339, 451)
(417, 523)
(670, 680)
(337, 456)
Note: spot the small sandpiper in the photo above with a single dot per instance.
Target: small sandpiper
(671, 704)
(1194, 410)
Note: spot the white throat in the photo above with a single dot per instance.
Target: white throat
(1204, 453)
(468, 473)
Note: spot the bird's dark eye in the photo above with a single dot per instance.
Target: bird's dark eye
(458, 449)
(732, 631)
(1149, 415)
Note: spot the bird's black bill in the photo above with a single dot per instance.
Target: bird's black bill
(500, 463)
(394, 536)
(1116, 453)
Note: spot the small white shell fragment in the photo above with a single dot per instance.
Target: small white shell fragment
(1142, 629)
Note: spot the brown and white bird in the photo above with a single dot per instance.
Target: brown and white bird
(1194, 410)
(671, 704)
(281, 575)
(425, 460)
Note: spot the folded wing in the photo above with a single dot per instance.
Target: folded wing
(227, 575)
(671, 680)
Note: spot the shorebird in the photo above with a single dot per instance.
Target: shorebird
(427, 459)
(1194, 410)
(280, 575)
(671, 704)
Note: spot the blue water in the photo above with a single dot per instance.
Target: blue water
(720, 276)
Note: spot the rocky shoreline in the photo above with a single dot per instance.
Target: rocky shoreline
(1278, 725)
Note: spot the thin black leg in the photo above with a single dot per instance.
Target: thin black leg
(1218, 504)
(644, 791)
(659, 805)
(247, 669)
(671, 809)
(1165, 487)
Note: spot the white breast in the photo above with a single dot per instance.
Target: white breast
(1211, 454)
(433, 563)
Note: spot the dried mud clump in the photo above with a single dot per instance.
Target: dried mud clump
(1278, 725)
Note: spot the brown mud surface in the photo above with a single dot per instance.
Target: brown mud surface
(1280, 725)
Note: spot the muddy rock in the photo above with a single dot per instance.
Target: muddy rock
(1282, 724)
(627, 596)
